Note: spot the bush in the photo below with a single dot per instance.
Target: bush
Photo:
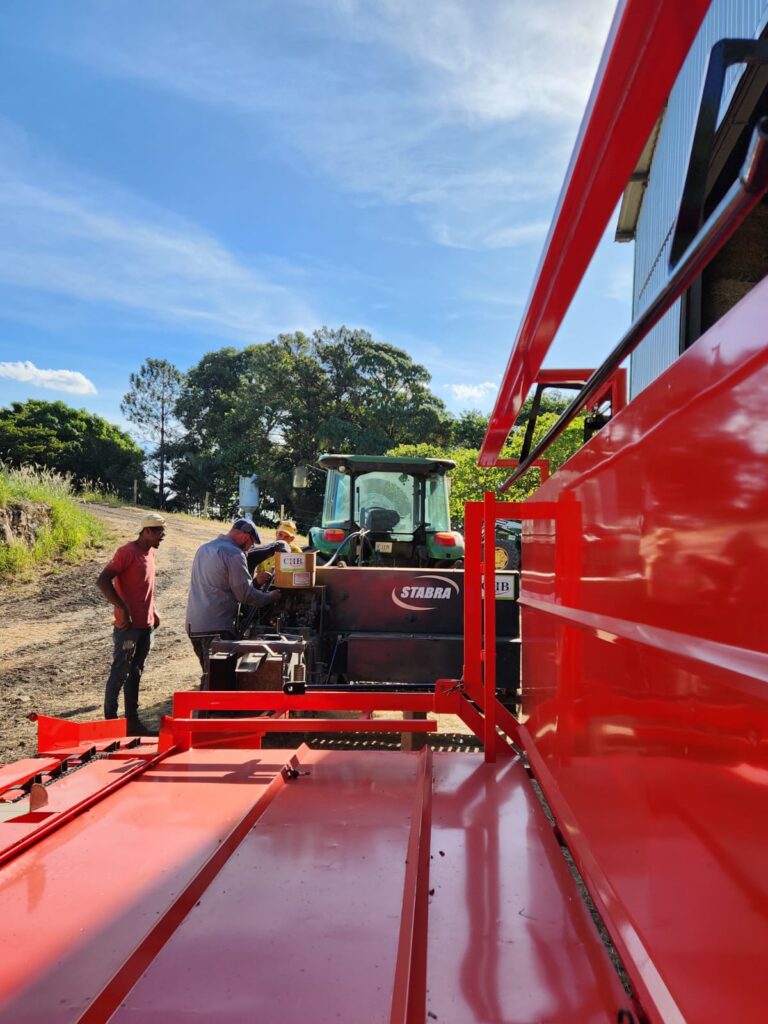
(71, 530)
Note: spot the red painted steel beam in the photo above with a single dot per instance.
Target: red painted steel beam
(479, 673)
(184, 703)
(541, 464)
(262, 725)
(472, 673)
(620, 115)
(409, 990)
(489, 628)
(564, 376)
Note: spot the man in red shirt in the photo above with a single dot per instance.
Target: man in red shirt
(128, 583)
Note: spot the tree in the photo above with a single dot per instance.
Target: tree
(378, 397)
(266, 408)
(551, 401)
(469, 482)
(53, 435)
(150, 405)
(468, 430)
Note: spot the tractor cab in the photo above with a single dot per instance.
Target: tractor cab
(386, 511)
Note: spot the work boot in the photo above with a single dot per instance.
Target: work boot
(135, 727)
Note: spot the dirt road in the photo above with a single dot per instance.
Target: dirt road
(56, 637)
(56, 634)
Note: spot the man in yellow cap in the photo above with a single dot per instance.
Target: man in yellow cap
(127, 581)
(286, 530)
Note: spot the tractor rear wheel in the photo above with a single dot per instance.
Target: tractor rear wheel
(506, 555)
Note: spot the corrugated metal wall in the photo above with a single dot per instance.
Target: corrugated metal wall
(726, 19)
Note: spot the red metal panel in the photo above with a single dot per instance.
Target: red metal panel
(64, 796)
(303, 922)
(645, 666)
(75, 907)
(56, 733)
(509, 939)
(621, 113)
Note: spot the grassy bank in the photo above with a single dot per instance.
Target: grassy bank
(70, 533)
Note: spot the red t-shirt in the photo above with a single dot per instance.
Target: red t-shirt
(134, 581)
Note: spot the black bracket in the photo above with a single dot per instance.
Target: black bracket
(690, 217)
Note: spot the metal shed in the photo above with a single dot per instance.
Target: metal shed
(652, 197)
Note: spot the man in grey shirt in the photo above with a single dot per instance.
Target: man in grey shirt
(221, 581)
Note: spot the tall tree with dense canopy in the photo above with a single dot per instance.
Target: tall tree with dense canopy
(72, 441)
(468, 430)
(377, 395)
(266, 408)
(150, 405)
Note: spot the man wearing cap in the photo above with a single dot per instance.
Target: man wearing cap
(220, 581)
(286, 530)
(127, 581)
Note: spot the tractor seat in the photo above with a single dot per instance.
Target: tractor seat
(380, 520)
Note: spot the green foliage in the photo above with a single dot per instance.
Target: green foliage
(150, 405)
(468, 430)
(266, 408)
(551, 400)
(93, 493)
(69, 441)
(71, 531)
(469, 482)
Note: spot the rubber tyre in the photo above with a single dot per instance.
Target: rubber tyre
(506, 555)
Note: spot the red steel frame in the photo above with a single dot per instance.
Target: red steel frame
(625, 103)
(613, 391)
(645, 659)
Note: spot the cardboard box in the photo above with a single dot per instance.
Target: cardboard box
(292, 571)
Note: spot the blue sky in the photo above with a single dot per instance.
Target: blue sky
(178, 175)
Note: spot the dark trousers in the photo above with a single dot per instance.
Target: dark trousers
(131, 649)
(201, 642)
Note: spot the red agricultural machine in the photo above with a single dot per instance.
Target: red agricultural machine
(601, 858)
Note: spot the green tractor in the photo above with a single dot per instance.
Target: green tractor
(382, 510)
(507, 543)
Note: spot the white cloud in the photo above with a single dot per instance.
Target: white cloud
(472, 392)
(501, 60)
(70, 381)
(81, 238)
(465, 111)
(490, 237)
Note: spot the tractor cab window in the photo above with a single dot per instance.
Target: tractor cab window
(337, 501)
(386, 502)
(437, 513)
